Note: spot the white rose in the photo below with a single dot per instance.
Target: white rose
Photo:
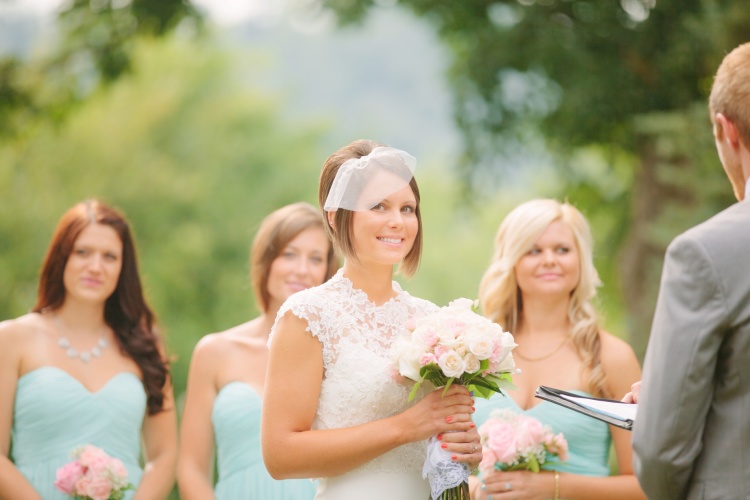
(461, 303)
(472, 363)
(447, 338)
(507, 365)
(452, 364)
(480, 346)
(408, 357)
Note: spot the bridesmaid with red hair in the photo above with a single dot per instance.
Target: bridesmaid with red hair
(86, 366)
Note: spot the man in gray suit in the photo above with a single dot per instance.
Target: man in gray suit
(692, 433)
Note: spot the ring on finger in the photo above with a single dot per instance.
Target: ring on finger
(473, 447)
(507, 487)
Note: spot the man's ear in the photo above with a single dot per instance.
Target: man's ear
(726, 131)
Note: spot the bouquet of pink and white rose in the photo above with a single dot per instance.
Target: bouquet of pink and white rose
(511, 441)
(93, 475)
(454, 345)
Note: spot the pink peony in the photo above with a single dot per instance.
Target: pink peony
(98, 466)
(82, 486)
(91, 454)
(488, 461)
(67, 476)
(94, 475)
(531, 432)
(501, 439)
(557, 444)
(99, 488)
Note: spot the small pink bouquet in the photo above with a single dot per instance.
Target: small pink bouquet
(93, 475)
(454, 345)
(511, 441)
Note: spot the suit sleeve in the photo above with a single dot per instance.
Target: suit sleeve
(678, 375)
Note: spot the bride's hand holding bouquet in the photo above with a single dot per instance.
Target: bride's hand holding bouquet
(455, 346)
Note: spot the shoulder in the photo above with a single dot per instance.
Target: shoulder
(716, 231)
(615, 350)
(421, 306)
(17, 330)
(209, 351)
(19, 335)
(310, 303)
(618, 360)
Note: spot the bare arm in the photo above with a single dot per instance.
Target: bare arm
(196, 434)
(160, 442)
(12, 483)
(292, 450)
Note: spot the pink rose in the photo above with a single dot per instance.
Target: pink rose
(501, 439)
(530, 432)
(488, 461)
(428, 358)
(98, 466)
(430, 338)
(440, 350)
(99, 488)
(558, 445)
(67, 476)
(82, 486)
(90, 454)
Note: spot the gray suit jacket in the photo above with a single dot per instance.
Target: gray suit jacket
(692, 433)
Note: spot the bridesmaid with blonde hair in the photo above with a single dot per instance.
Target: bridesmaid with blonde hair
(290, 252)
(540, 286)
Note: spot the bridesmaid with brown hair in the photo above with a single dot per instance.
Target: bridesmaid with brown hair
(290, 252)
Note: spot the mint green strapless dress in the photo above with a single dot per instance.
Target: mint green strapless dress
(54, 414)
(242, 473)
(589, 440)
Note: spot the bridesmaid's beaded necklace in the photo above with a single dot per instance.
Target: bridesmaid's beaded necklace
(84, 356)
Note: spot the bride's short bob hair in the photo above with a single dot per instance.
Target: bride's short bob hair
(340, 229)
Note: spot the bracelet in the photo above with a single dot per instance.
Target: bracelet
(557, 486)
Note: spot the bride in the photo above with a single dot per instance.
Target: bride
(332, 408)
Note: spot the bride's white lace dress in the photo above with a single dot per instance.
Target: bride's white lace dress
(357, 387)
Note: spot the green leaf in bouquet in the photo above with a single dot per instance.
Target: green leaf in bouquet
(428, 370)
(414, 390)
(533, 464)
(480, 391)
(448, 384)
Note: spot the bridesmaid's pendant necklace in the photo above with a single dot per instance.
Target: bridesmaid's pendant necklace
(72, 353)
(516, 352)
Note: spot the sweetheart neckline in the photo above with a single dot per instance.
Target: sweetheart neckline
(240, 382)
(81, 384)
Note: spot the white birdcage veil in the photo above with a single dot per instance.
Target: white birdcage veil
(362, 183)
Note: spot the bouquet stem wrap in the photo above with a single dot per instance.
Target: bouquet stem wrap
(447, 478)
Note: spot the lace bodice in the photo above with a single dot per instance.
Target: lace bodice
(356, 336)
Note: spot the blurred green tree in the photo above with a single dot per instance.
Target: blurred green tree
(192, 155)
(624, 76)
(94, 45)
